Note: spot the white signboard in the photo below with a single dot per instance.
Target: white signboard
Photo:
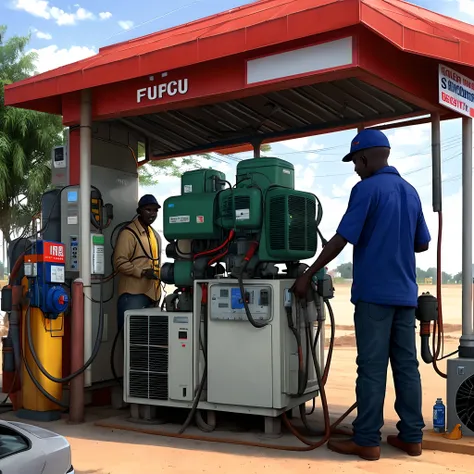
(456, 92)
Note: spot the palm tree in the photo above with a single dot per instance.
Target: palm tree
(26, 141)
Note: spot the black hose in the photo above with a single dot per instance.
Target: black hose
(40, 387)
(425, 349)
(252, 321)
(203, 425)
(197, 397)
(327, 420)
(112, 356)
(95, 351)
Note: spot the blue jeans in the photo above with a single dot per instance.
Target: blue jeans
(127, 302)
(386, 333)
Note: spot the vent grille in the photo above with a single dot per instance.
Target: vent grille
(148, 349)
(234, 203)
(297, 223)
(292, 223)
(277, 222)
(242, 202)
(228, 208)
(311, 229)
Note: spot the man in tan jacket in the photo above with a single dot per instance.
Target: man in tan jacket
(137, 261)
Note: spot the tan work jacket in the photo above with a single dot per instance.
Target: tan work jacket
(130, 260)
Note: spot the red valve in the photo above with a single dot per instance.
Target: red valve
(61, 300)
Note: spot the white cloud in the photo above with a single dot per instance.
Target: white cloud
(43, 9)
(105, 15)
(409, 136)
(125, 24)
(53, 57)
(298, 144)
(42, 35)
(466, 6)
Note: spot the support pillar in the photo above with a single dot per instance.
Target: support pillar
(84, 225)
(436, 162)
(466, 348)
(272, 426)
(76, 387)
(257, 144)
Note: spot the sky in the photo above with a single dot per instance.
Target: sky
(63, 32)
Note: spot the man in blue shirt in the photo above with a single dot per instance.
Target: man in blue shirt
(385, 224)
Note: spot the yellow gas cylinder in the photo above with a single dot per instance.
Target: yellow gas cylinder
(46, 339)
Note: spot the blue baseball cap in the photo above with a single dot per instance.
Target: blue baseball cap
(148, 200)
(368, 138)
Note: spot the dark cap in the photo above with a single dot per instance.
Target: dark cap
(368, 138)
(148, 200)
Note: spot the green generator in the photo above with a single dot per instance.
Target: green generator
(221, 223)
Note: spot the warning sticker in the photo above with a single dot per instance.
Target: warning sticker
(180, 219)
(200, 219)
(242, 214)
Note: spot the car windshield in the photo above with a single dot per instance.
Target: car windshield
(11, 442)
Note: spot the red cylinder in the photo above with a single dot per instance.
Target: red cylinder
(76, 399)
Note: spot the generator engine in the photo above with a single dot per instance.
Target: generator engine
(233, 320)
(250, 227)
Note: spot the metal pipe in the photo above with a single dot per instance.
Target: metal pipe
(14, 325)
(257, 147)
(84, 225)
(403, 123)
(76, 400)
(322, 338)
(467, 322)
(436, 162)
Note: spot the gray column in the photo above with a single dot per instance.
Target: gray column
(84, 225)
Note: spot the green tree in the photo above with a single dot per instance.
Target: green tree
(26, 140)
(345, 269)
(150, 173)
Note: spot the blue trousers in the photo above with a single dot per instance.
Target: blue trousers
(386, 333)
(127, 302)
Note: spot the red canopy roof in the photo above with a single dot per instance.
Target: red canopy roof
(263, 23)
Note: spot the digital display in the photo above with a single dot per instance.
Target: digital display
(72, 196)
(59, 154)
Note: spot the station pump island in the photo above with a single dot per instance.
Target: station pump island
(228, 339)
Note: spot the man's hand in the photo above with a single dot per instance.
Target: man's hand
(301, 286)
(149, 274)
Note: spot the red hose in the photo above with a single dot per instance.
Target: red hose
(16, 267)
(217, 258)
(221, 246)
(438, 326)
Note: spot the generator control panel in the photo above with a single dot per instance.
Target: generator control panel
(228, 303)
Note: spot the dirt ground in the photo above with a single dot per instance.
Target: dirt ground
(104, 451)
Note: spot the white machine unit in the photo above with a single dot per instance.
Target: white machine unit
(460, 395)
(250, 370)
